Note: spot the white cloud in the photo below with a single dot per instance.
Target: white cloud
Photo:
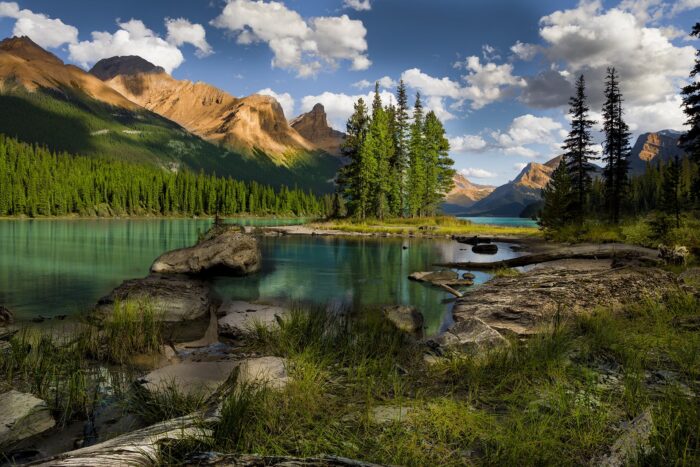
(490, 53)
(133, 38)
(684, 5)
(285, 99)
(45, 31)
(528, 130)
(430, 86)
(359, 5)
(588, 39)
(520, 166)
(386, 82)
(524, 51)
(181, 31)
(666, 115)
(339, 106)
(488, 82)
(296, 44)
(477, 173)
(467, 143)
(362, 84)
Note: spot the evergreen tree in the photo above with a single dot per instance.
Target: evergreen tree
(402, 131)
(691, 107)
(557, 197)
(578, 153)
(616, 147)
(671, 193)
(416, 166)
(438, 165)
(376, 152)
(348, 179)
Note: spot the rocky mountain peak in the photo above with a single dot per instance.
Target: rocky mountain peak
(653, 147)
(27, 49)
(314, 126)
(108, 68)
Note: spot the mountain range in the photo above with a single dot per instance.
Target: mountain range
(130, 109)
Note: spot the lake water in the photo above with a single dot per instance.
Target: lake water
(506, 221)
(55, 267)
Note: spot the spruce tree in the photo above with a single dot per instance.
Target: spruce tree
(437, 164)
(416, 165)
(557, 197)
(402, 132)
(671, 194)
(578, 152)
(616, 147)
(690, 141)
(376, 153)
(349, 176)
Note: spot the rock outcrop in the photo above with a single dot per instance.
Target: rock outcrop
(444, 277)
(405, 318)
(237, 318)
(313, 126)
(464, 195)
(661, 146)
(228, 252)
(21, 416)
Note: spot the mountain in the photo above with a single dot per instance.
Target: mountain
(314, 127)
(66, 109)
(510, 199)
(253, 125)
(464, 195)
(653, 147)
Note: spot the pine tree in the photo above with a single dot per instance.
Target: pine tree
(416, 166)
(557, 197)
(349, 176)
(438, 165)
(671, 191)
(402, 130)
(616, 147)
(377, 150)
(690, 141)
(578, 152)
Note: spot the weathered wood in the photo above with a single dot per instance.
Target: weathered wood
(454, 292)
(582, 253)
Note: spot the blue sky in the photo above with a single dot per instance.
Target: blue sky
(497, 72)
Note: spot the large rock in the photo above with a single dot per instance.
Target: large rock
(229, 251)
(176, 297)
(237, 318)
(405, 318)
(446, 277)
(472, 335)
(21, 416)
(206, 377)
(521, 305)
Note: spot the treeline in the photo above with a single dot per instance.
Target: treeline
(37, 182)
(398, 166)
(668, 189)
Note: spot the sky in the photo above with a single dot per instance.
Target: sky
(498, 73)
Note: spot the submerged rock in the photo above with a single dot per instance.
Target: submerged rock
(226, 250)
(405, 318)
(237, 318)
(21, 416)
(485, 249)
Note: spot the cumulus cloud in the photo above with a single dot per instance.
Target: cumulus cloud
(362, 84)
(182, 31)
(285, 99)
(488, 82)
(520, 166)
(297, 44)
(133, 38)
(546, 89)
(666, 115)
(468, 143)
(359, 5)
(524, 51)
(45, 31)
(477, 173)
(339, 106)
(528, 130)
(490, 53)
(587, 39)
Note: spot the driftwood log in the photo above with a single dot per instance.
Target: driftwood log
(618, 252)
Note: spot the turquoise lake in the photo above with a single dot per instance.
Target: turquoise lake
(57, 267)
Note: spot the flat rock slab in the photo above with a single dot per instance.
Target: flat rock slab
(206, 377)
(238, 318)
(176, 297)
(445, 277)
(521, 305)
(228, 251)
(21, 416)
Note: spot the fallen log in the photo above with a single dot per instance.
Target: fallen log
(526, 260)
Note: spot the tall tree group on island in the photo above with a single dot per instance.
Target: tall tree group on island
(397, 167)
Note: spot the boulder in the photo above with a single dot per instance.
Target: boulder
(237, 318)
(485, 249)
(6, 316)
(229, 251)
(676, 255)
(405, 318)
(205, 377)
(176, 297)
(633, 441)
(472, 335)
(21, 416)
(445, 277)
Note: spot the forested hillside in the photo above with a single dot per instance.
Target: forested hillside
(37, 182)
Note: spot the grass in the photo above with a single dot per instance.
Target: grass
(70, 372)
(560, 397)
(439, 225)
